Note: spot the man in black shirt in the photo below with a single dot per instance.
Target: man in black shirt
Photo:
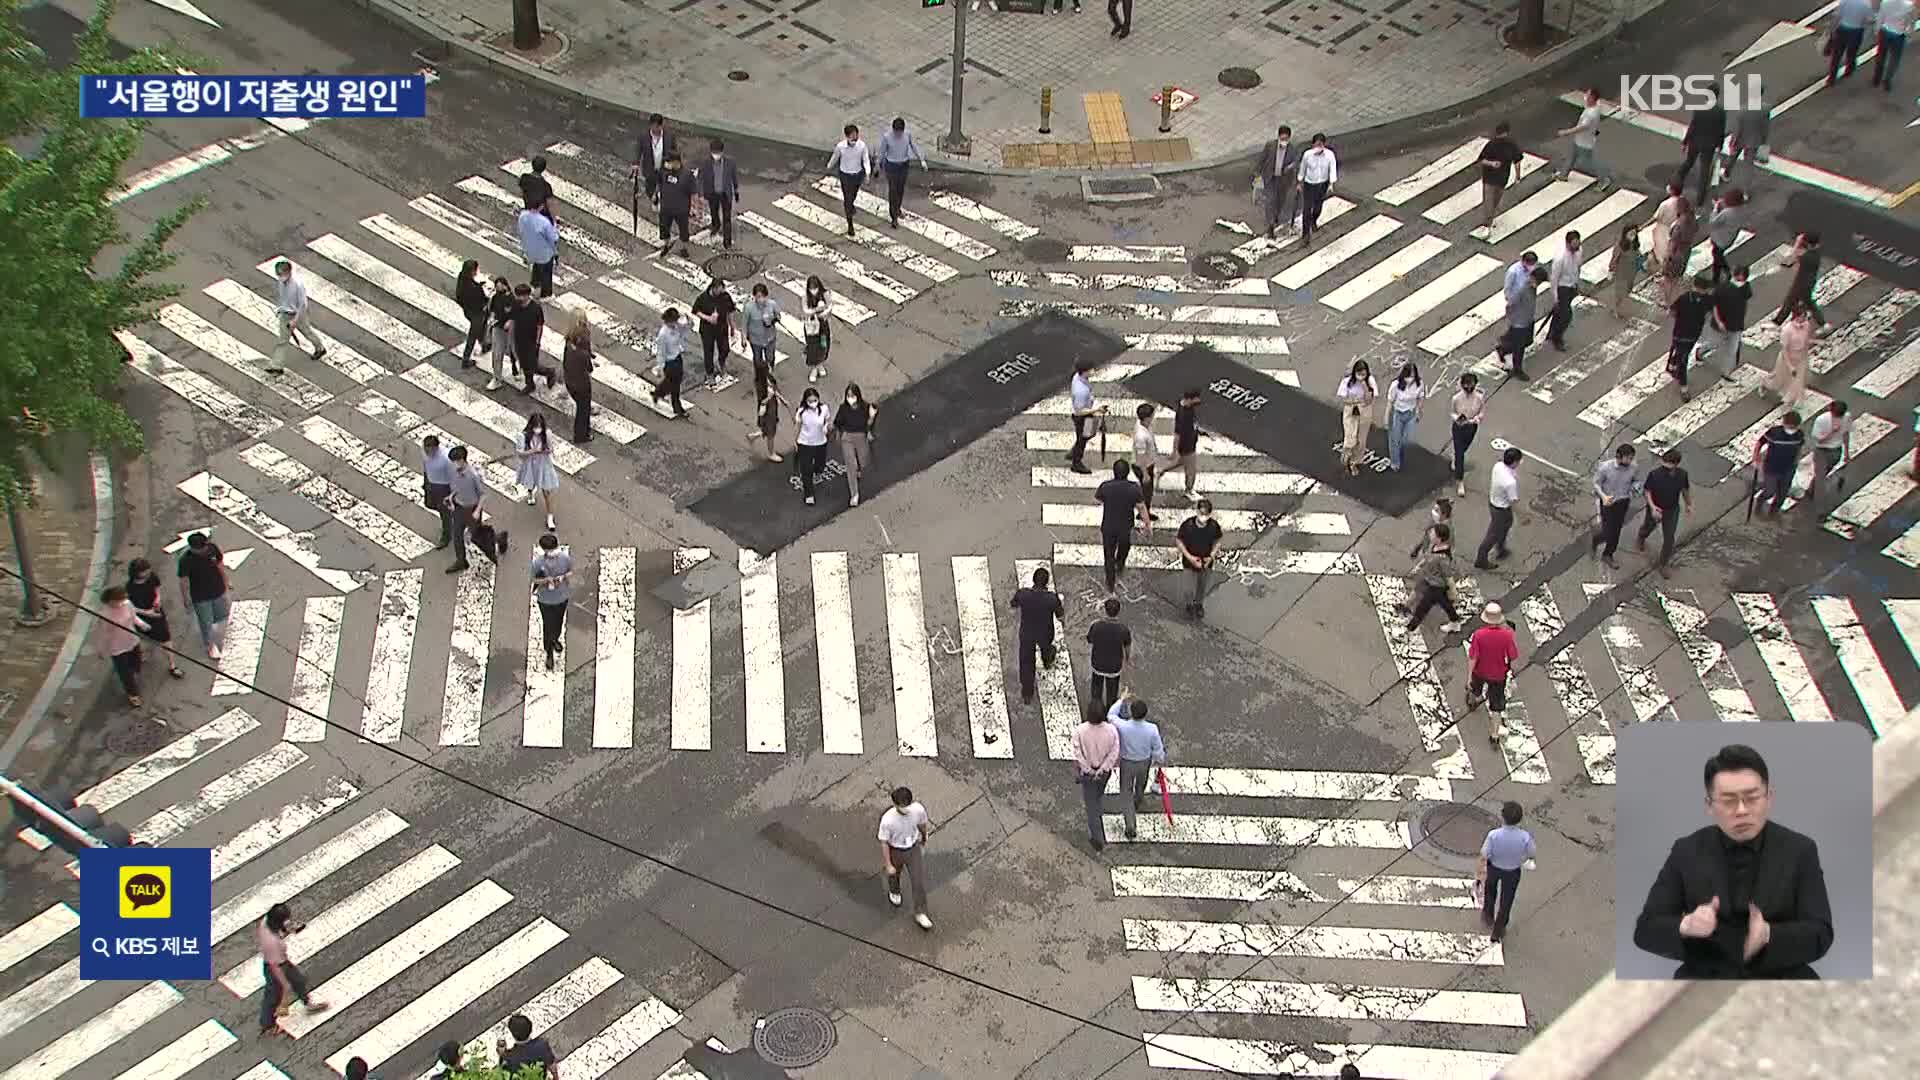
(1186, 436)
(1806, 274)
(202, 571)
(1039, 608)
(1729, 321)
(676, 191)
(1706, 130)
(1667, 490)
(1118, 498)
(714, 308)
(1198, 540)
(526, 1050)
(1111, 643)
(1777, 455)
(1497, 159)
(535, 192)
(1690, 310)
(525, 322)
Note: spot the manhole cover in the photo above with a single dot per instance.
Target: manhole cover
(1219, 266)
(1239, 78)
(1456, 828)
(1123, 185)
(738, 76)
(138, 737)
(732, 266)
(1046, 249)
(794, 1038)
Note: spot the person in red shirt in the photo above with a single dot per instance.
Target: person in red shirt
(1492, 653)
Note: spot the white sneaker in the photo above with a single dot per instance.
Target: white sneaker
(1460, 488)
(925, 923)
(855, 501)
(551, 527)
(893, 898)
(1451, 627)
(809, 500)
(532, 499)
(494, 384)
(213, 652)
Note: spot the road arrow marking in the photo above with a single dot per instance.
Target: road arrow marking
(1240, 227)
(183, 7)
(1501, 446)
(1778, 35)
(232, 559)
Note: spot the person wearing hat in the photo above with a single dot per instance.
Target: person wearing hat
(1492, 653)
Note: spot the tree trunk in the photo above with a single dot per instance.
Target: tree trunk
(1531, 29)
(526, 24)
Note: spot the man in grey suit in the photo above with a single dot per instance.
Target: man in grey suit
(1751, 128)
(719, 184)
(1280, 178)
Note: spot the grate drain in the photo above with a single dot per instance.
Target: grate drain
(793, 1038)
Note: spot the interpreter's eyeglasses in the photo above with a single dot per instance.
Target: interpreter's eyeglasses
(1736, 802)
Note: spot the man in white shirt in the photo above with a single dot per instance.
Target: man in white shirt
(852, 163)
(1584, 156)
(1896, 20)
(1503, 491)
(291, 307)
(903, 834)
(1565, 277)
(1832, 435)
(1080, 394)
(1319, 170)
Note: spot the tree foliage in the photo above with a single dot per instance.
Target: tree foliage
(60, 363)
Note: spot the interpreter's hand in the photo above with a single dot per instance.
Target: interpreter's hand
(1759, 931)
(1701, 921)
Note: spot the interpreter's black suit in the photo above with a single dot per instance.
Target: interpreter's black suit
(1787, 886)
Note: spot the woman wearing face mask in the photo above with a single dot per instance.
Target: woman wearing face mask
(1356, 393)
(1404, 396)
(472, 298)
(500, 311)
(1441, 514)
(143, 591)
(854, 424)
(771, 402)
(817, 326)
(536, 472)
(810, 443)
(1146, 451)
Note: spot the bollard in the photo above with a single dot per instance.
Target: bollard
(1046, 110)
(1166, 109)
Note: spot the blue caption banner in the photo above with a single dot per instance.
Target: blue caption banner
(146, 913)
(262, 97)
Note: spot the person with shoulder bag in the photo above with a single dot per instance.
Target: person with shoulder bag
(576, 371)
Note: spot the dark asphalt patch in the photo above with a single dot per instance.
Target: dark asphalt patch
(919, 427)
(1294, 428)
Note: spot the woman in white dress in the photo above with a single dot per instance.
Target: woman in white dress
(535, 470)
(1662, 220)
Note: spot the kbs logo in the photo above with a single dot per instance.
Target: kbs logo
(146, 892)
(1674, 93)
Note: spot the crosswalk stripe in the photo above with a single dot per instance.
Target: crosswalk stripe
(1774, 641)
(852, 270)
(449, 995)
(1832, 284)
(271, 831)
(476, 232)
(547, 1008)
(1246, 783)
(1906, 621)
(617, 1041)
(572, 236)
(1467, 199)
(877, 242)
(1872, 499)
(1432, 174)
(1874, 320)
(542, 719)
(1226, 315)
(951, 239)
(83, 1041)
(1425, 696)
(1258, 563)
(367, 460)
(240, 358)
(766, 677)
(1887, 377)
(1710, 660)
(840, 731)
(1126, 253)
(1212, 483)
(183, 1055)
(1328, 1001)
(1519, 746)
(1252, 886)
(1599, 269)
(907, 653)
(962, 207)
(1027, 309)
(613, 651)
(468, 645)
(1537, 205)
(254, 308)
(1253, 251)
(1232, 344)
(1426, 298)
(311, 699)
(607, 371)
(397, 417)
(219, 794)
(1209, 446)
(621, 218)
(265, 1070)
(693, 677)
(1311, 522)
(1384, 273)
(251, 905)
(1578, 699)
(1465, 328)
(195, 389)
(395, 334)
(980, 660)
(1614, 405)
(1056, 687)
(1152, 283)
(1242, 830)
(298, 545)
(1868, 430)
(490, 414)
(40, 995)
(1590, 225)
(1584, 364)
(36, 933)
(1905, 548)
(1336, 254)
(397, 954)
(1327, 942)
(1633, 664)
(1859, 661)
(1717, 398)
(842, 307)
(362, 517)
(1250, 1057)
(392, 660)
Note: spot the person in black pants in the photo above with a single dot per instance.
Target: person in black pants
(1706, 130)
(472, 298)
(1433, 577)
(714, 309)
(1469, 405)
(1039, 607)
(676, 204)
(526, 321)
(1667, 492)
(1613, 484)
(1806, 274)
(1777, 455)
(1120, 13)
(1110, 642)
(720, 185)
(1119, 499)
(576, 371)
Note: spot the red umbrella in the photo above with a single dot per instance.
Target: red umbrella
(1166, 797)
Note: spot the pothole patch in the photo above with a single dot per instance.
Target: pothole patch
(1219, 266)
(1046, 249)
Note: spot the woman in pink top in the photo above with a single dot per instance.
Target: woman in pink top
(1492, 652)
(117, 638)
(1096, 753)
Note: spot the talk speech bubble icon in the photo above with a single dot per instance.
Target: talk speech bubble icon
(145, 892)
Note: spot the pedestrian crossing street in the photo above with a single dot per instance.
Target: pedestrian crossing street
(389, 916)
(1438, 302)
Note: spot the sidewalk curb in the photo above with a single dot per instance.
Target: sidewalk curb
(1367, 138)
(1613, 1018)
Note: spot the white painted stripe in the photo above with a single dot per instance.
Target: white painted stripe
(273, 830)
(1905, 548)
(1432, 174)
(219, 794)
(1302, 784)
(1253, 831)
(40, 995)
(1860, 661)
(1578, 699)
(962, 207)
(490, 414)
(1891, 374)
(368, 461)
(1209, 445)
(1334, 255)
(261, 312)
(1906, 620)
(1328, 1001)
(468, 645)
(311, 698)
(349, 509)
(542, 720)
(82, 1042)
(606, 371)
(1596, 224)
(980, 658)
(952, 239)
(410, 946)
(1152, 283)
(573, 237)
(1519, 747)
(693, 677)
(1251, 886)
(448, 995)
(1425, 696)
(396, 334)
(391, 414)
(879, 243)
(843, 308)
(1866, 55)
(1633, 664)
(1126, 253)
(196, 390)
(766, 688)
(36, 933)
(1868, 430)
(1315, 523)
(1027, 309)
(1254, 250)
(547, 1008)
(1834, 281)
(1210, 483)
(1536, 206)
(617, 1041)
(1346, 943)
(240, 357)
(251, 905)
(185, 165)
(882, 285)
(1466, 327)
(157, 766)
(907, 651)
(1384, 273)
(1583, 365)
(1058, 690)
(1614, 405)
(1254, 563)
(1467, 199)
(478, 233)
(184, 1054)
(1434, 293)
(1709, 657)
(840, 731)
(1386, 1062)
(1774, 640)
(1174, 342)
(1226, 315)
(622, 218)
(1719, 396)
(1872, 499)
(613, 651)
(1874, 321)
(219, 496)
(265, 1071)
(392, 661)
